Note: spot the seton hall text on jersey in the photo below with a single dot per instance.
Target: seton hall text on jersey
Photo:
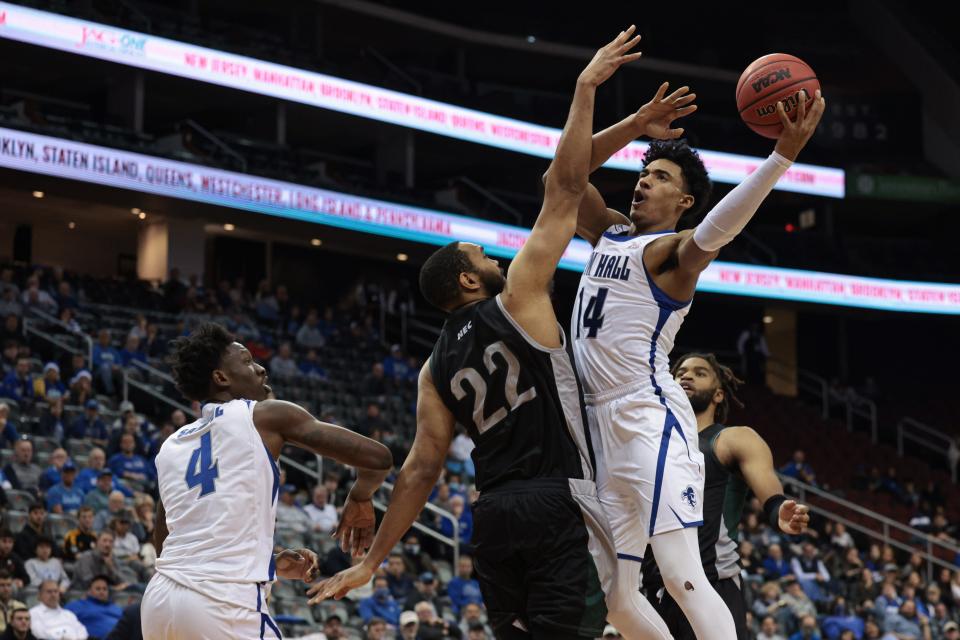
(604, 266)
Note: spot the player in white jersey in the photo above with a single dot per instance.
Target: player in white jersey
(219, 482)
(634, 294)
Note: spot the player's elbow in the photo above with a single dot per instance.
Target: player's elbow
(381, 459)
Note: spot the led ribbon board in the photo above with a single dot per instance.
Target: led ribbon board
(93, 164)
(367, 101)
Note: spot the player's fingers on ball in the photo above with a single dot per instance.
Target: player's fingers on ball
(801, 105)
(782, 114)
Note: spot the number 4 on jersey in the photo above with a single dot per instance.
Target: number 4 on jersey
(200, 470)
(592, 319)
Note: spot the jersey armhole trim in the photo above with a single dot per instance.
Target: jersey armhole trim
(663, 299)
(526, 336)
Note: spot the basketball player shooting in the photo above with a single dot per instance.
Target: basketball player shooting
(219, 482)
(543, 553)
(635, 291)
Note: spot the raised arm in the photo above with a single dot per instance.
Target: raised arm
(654, 119)
(417, 478)
(526, 294)
(734, 211)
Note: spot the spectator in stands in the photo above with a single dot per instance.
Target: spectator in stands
(99, 497)
(98, 561)
(52, 423)
(808, 629)
(841, 537)
(753, 350)
(8, 428)
(400, 582)
(811, 573)
(321, 512)
(409, 625)
(951, 630)
(415, 559)
(96, 612)
(81, 388)
(90, 425)
(769, 630)
(464, 589)
(425, 589)
(11, 351)
(7, 281)
(381, 604)
(464, 518)
(68, 318)
(372, 421)
(7, 604)
(131, 425)
(395, 365)
(22, 473)
(116, 507)
(90, 478)
(375, 383)
(65, 496)
(774, 565)
(10, 560)
(333, 627)
(33, 297)
(797, 600)
(799, 469)
(376, 629)
(153, 345)
(310, 336)
(19, 383)
(131, 352)
(292, 520)
(82, 538)
(283, 365)
(34, 529)
(311, 366)
(126, 548)
(64, 298)
(19, 628)
(432, 626)
(50, 381)
(153, 447)
(10, 307)
(50, 621)
(44, 566)
(907, 624)
(130, 466)
(106, 361)
(770, 603)
(51, 475)
(473, 616)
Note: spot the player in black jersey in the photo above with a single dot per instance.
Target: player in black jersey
(738, 461)
(542, 546)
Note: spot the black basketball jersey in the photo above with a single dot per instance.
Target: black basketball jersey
(724, 496)
(520, 402)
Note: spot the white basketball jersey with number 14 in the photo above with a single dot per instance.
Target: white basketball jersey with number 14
(219, 487)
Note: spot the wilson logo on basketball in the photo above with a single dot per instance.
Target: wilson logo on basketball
(771, 78)
(789, 104)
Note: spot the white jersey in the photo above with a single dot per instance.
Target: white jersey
(623, 325)
(219, 487)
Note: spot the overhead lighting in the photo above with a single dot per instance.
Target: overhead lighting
(72, 225)
(142, 215)
(228, 227)
(38, 194)
(402, 257)
(767, 319)
(531, 39)
(135, 211)
(316, 242)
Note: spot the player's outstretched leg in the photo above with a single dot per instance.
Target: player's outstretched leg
(678, 556)
(627, 609)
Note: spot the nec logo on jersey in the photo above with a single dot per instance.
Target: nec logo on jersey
(689, 496)
(464, 330)
(613, 267)
(771, 78)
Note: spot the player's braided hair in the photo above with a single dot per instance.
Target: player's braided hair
(691, 167)
(729, 381)
(193, 358)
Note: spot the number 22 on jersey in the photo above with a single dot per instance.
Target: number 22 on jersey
(479, 385)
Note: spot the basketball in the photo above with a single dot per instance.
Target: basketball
(767, 81)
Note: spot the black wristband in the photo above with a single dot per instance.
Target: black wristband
(771, 509)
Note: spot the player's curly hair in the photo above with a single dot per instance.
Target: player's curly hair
(691, 167)
(440, 275)
(728, 380)
(193, 358)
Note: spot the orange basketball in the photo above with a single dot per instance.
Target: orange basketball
(767, 81)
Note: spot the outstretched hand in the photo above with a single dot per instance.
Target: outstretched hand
(793, 517)
(341, 584)
(796, 133)
(656, 116)
(609, 58)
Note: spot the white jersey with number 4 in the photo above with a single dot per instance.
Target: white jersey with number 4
(219, 487)
(623, 324)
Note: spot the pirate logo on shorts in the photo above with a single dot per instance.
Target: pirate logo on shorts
(689, 496)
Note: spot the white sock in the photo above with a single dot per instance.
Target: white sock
(678, 556)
